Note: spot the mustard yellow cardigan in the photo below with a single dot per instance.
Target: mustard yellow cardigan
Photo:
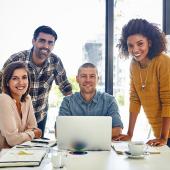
(155, 97)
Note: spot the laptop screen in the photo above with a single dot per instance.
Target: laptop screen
(95, 132)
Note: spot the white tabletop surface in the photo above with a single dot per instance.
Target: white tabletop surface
(108, 160)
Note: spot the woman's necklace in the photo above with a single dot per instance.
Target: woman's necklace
(143, 82)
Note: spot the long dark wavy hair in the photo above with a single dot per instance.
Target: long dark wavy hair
(146, 29)
(7, 74)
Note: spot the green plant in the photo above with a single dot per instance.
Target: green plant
(56, 96)
(120, 98)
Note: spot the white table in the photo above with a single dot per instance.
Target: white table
(109, 160)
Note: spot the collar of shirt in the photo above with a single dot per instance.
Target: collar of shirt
(95, 98)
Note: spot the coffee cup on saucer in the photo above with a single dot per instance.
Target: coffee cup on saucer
(137, 148)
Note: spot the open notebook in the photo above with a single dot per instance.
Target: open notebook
(22, 158)
(94, 131)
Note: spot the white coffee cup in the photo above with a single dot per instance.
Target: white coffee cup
(137, 148)
(58, 159)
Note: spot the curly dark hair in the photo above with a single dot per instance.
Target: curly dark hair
(7, 74)
(146, 29)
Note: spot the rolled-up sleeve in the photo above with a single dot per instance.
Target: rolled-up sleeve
(61, 78)
(113, 111)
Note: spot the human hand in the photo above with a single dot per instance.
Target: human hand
(157, 142)
(122, 137)
(37, 132)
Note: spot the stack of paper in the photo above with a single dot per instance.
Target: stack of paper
(19, 157)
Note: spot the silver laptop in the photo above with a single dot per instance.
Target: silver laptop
(94, 131)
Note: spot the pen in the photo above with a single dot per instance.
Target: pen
(118, 152)
(27, 146)
(44, 142)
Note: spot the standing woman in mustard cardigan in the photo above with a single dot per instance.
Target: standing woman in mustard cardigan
(149, 78)
(17, 119)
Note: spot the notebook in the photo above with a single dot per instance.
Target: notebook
(22, 158)
(94, 131)
(44, 143)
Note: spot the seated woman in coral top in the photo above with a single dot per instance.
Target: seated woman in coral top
(17, 119)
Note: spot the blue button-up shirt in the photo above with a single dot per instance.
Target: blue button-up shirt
(102, 104)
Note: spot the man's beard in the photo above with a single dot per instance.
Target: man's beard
(43, 54)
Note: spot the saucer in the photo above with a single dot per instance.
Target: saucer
(135, 156)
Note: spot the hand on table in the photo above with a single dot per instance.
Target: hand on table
(37, 132)
(122, 137)
(157, 142)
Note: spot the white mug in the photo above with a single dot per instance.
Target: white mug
(58, 159)
(137, 148)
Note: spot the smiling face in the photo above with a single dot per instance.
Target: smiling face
(138, 47)
(42, 47)
(18, 83)
(87, 79)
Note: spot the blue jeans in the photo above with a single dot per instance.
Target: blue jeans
(41, 125)
(168, 143)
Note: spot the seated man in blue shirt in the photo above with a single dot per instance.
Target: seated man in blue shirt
(89, 101)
